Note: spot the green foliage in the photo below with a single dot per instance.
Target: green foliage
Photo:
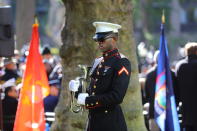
(154, 11)
(136, 9)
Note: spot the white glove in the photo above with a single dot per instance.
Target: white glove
(74, 85)
(81, 98)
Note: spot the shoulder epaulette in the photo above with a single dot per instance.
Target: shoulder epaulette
(122, 56)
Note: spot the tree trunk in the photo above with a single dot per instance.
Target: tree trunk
(25, 12)
(79, 48)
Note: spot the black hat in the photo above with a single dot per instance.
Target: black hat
(46, 50)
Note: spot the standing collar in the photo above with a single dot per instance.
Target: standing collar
(110, 53)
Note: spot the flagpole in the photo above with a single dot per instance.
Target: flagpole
(163, 20)
(30, 111)
(34, 124)
(165, 111)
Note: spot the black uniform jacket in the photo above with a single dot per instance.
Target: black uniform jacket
(9, 74)
(109, 82)
(9, 105)
(187, 83)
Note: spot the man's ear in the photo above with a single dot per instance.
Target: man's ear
(115, 38)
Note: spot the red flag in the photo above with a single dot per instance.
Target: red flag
(30, 111)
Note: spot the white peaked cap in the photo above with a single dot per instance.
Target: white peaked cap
(8, 83)
(106, 27)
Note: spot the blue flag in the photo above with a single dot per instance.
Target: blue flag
(165, 108)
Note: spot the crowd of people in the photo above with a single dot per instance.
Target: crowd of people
(11, 72)
(183, 77)
(184, 82)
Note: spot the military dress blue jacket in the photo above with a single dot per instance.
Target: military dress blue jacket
(110, 77)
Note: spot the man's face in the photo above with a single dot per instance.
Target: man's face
(13, 93)
(47, 56)
(54, 91)
(11, 66)
(106, 44)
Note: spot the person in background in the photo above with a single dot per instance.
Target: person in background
(9, 105)
(186, 71)
(51, 100)
(150, 84)
(48, 67)
(10, 70)
(52, 65)
(47, 55)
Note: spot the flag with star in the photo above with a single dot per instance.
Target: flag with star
(30, 111)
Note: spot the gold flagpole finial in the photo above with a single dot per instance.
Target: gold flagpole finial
(163, 17)
(36, 21)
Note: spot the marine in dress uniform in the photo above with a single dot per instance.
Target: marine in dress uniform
(110, 76)
(10, 70)
(9, 104)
